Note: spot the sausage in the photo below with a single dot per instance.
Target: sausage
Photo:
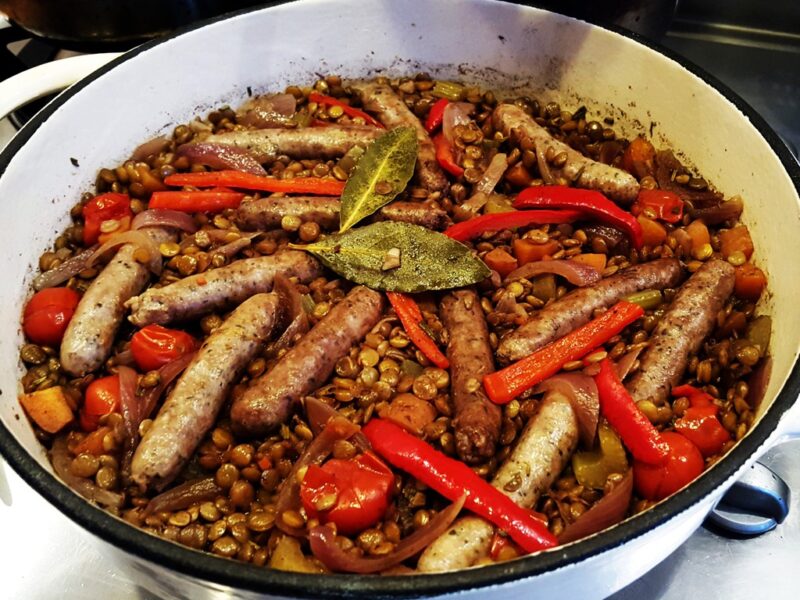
(218, 288)
(583, 172)
(331, 141)
(266, 213)
(393, 112)
(689, 319)
(541, 453)
(90, 334)
(477, 419)
(192, 407)
(575, 309)
(266, 403)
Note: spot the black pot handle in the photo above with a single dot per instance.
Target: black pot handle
(755, 504)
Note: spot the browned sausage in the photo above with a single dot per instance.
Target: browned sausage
(266, 213)
(477, 419)
(327, 142)
(192, 406)
(90, 334)
(393, 112)
(219, 288)
(689, 319)
(308, 364)
(543, 449)
(575, 309)
(584, 172)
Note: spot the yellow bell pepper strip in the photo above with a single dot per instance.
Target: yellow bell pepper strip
(410, 316)
(506, 384)
(637, 432)
(248, 181)
(453, 479)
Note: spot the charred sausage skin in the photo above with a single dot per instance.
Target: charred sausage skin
(477, 419)
(308, 364)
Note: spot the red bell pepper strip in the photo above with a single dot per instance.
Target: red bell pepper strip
(453, 479)
(589, 202)
(104, 207)
(436, 115)
(410, 316)
(637, 432)
(700, 422)
(472, 228)
(667, 206)
(350, 111)
(192, 201)
(506, 384)
(444, 155)
(248, 181)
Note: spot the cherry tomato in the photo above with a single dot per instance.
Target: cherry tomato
(101, 398)
(684, 464)
(103, 208)
(48, 313)
(353, 494)
(154, 346)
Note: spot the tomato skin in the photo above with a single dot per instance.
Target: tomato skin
(684, 464)
(48, 313)
(103, 208)
(101, 398)
(154, 346)
(363, 488)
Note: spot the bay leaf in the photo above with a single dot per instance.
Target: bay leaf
(382, 173)
(428, 260)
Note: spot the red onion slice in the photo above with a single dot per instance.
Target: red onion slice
(324, 546)
(137, 238)
(625, 364)
(130, 408)
(757, 384)
(582, 393)
(576, 273)
(456, 113)
(166, 375)
(124, 358)
(544, 168)
(184, 495)
(232, 248)
(59, 456)
(292, 304)
(162, 217)
(493, 174)
(69, 268)
(315, 453)
(268, 111)
(609, 510)
(150, 148)
(221, 156)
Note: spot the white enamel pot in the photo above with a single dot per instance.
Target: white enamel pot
(100, 120)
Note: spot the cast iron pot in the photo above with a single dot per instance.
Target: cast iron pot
(103, 118)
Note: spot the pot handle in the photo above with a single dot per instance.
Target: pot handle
(45, 79)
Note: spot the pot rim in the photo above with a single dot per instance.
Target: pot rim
(207, 567)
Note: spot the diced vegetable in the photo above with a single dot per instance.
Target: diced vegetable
(750, 282)
(698, 233)
(247, 181)
(410, 316)
(454, 479)
(196, 200)
(350, 111)
(93, 442)
(448, 89)
(759, 332)
(660, 204)
(529, 251)
(684, 463)
(518, 175)
(504, 385)
(653, 232)
(48, 314)
(592, 468)
(500, 261)
(102, 208)
(647, 299)
(638, 157)
(636, 431)
(288, 556)
(48, 408)
(409, 412)
(596, 261)
(736, 240)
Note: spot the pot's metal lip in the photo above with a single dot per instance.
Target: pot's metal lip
(209, 568)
